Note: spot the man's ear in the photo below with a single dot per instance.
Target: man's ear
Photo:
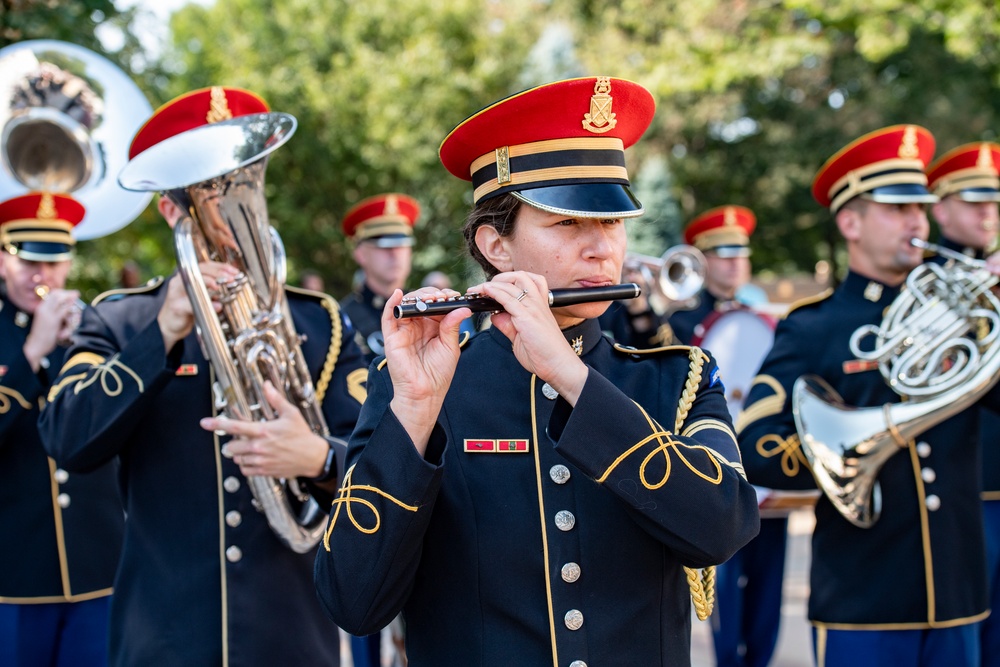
(849, 223)
(170, 211)
(494, 248)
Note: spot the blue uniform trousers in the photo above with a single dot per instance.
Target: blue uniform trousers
(989, 629)
(61, 634)
(366, 651)
(943, 647)
(748, 591)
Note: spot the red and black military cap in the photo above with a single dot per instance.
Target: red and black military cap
(194, 109)
(970, 172)
(559, 147)
(724, 231)
(385, 220)
(38, 226)
(885, 166)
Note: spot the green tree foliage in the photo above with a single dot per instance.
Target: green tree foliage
(752, 96)
(375, 87)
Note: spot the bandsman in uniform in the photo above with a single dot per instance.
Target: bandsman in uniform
(723, 235)
(381, 230)
(967, 182)
(203, 579)
(546, 496)
(910, 588)
(745, 627)
(62, 531)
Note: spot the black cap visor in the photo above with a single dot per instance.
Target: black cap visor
(584, 200)
(390, 241)
(39, 251)
(900, 193)
(977, 195)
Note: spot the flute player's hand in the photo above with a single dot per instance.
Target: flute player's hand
(422, 354)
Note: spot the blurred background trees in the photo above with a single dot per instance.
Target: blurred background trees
(752, 97)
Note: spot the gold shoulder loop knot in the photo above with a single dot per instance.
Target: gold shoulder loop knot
(346, 498)
(111, 382)
(6, 394)
(790, 449)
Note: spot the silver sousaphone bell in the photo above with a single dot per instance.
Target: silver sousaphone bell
(67, 115)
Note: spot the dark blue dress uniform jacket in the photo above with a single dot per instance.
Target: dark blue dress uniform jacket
(922, 563)
(364, 309)
(203, 579)
(686, 323)
(62, 532)
(534, 533)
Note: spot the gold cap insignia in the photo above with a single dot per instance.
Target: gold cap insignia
(503, 165)
(600, 119)
(908, 148)
(985, 159)
(853, 181)
(729, 216)
(392, 205)
(218, 108)
(46, 207)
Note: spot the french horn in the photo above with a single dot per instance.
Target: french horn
(216, 174)
(66, 117)
(937, 346)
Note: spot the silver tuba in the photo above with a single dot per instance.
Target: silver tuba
(216, 174)
(672, 280)
(66, 116)
(937, 346)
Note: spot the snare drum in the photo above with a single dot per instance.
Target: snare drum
(739, 339)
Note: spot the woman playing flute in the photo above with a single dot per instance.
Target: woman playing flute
(537, 495)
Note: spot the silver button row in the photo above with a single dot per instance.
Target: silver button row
(578, 663)
(559, 473)
(63, 500)
(233, 519)
(231, 484)
(61, 476)
(573, 619)
(923, 450)
(570, 572)
(565, 520)
(234, 554)
(933, 503)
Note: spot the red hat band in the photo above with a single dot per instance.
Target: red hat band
(971, 172)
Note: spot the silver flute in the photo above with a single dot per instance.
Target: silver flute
(477, 303)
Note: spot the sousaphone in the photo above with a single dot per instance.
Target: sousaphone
(67, 115)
